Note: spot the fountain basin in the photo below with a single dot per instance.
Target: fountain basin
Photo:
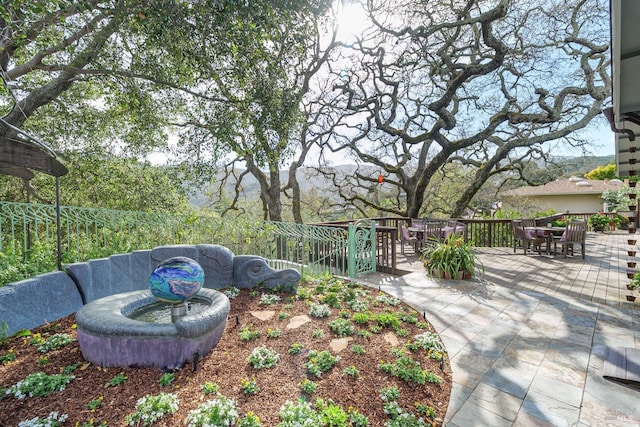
(109, 338)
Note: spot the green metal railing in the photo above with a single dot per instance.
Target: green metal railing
(88, 233)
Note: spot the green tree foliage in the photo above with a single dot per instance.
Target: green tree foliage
(99, 180)
(121, 76)
(602, 172)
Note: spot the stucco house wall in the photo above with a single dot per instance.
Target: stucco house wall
(571, 203)
(571, 194)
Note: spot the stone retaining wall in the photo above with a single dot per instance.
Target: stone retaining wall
(51, 296)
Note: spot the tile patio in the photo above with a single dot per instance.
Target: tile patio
(527, 339)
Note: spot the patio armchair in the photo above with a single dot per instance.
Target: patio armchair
(575, 234)
(408, 237)
(526, 238)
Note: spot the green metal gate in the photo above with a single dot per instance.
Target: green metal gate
(362, 247)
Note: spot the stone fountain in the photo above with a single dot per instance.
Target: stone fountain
(176, 320)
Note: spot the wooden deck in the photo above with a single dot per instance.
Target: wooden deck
(600, 278)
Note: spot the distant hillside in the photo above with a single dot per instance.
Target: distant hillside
(581, 165)
(310, 181)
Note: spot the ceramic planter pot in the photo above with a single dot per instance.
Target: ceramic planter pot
(631, 253)
(631, 230)
(439, 274)
(631, 264)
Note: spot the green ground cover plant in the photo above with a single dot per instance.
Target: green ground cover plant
(272, 371)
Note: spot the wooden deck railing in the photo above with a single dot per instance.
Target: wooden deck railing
(481, 232)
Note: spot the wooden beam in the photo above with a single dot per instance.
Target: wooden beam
(23, 154)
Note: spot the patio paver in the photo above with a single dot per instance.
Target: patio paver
(528, 338)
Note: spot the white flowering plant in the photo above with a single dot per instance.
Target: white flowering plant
(220, 411)
(298, 414)
(151, 408)
(269, 299)
(39, 384)
(53, 420)
(319, 310)
(263, 357)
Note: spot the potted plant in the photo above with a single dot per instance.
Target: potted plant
(623, 222)
(599, 221)
(453, 258)
(559, 223)
(635, 282)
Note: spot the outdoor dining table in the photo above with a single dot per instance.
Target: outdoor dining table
(444, 231)
(548, 233)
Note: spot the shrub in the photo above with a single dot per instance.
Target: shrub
(331, 414)
(52, 420)
(209, 388)
(405, 368)
(429, 341)
(320, 362)
(263, 357)
(220, 411)
(635, 281)
(54, 342)
(600, 220)
(269, 299)
(319, 310)
(342, 327)
(298, 414)
(151, 408)
(249, 386)
(39, 384)
(295, 348)
(231, 292)
(166, 379)
(308, 386)
(247, 333)
(357, 349)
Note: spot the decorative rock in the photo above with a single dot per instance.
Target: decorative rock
(391, 339)
(263, 315)
(298, 321)
(176, 279)
(339, 344)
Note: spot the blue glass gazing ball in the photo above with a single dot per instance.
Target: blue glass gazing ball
(176, 279)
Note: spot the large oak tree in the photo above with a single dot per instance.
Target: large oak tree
(486, 84)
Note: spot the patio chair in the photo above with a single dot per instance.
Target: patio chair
(529, 225)
(433, 232)
(418, 222)
(408, 237)
(525, 238)
(453, 226)
(575, 234)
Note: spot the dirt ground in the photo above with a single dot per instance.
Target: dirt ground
(89, 399)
